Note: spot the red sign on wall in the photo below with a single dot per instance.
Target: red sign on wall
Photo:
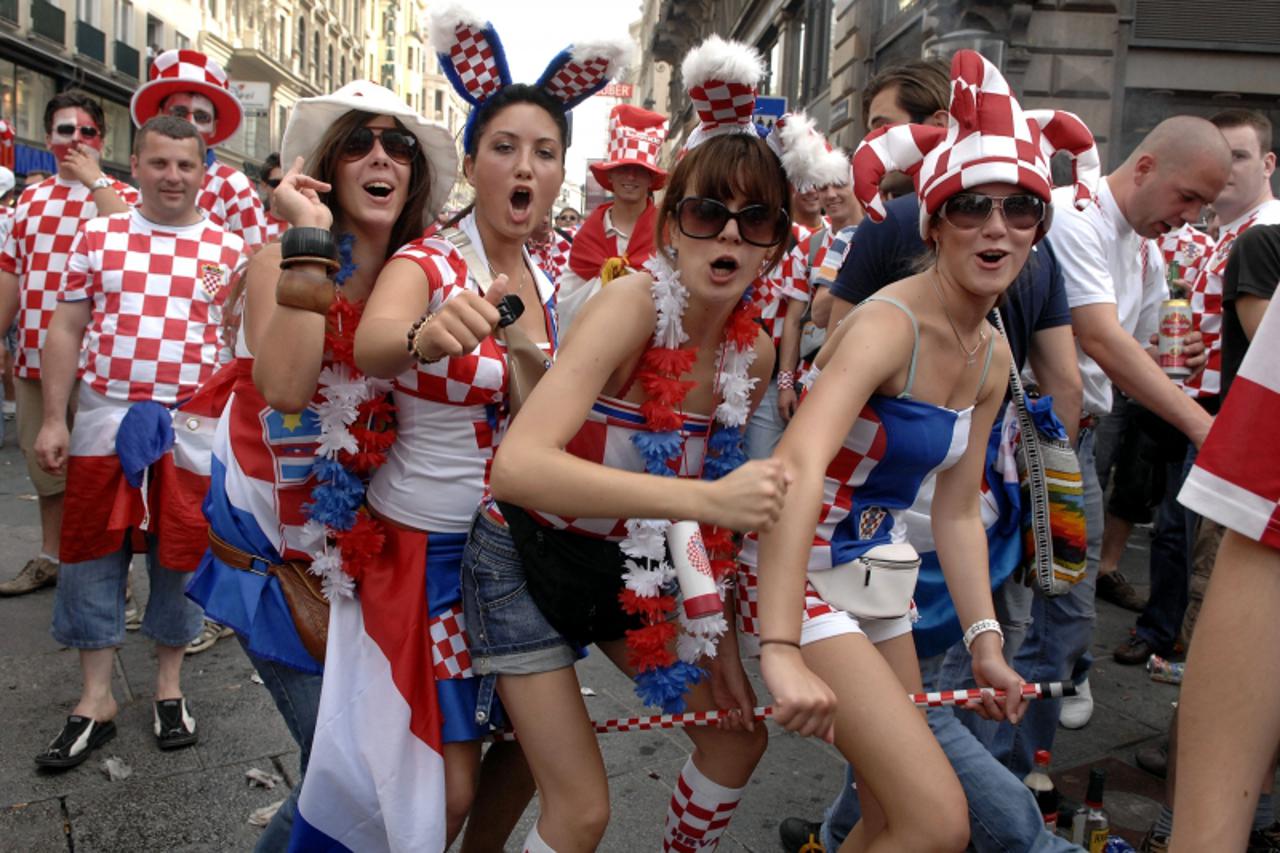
(618, 90)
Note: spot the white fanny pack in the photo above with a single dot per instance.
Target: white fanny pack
(877, 585)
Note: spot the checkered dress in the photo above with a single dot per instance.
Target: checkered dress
(231, 201)
(1206, 299)
(1236, 478)
(157, 296)
(46, 220)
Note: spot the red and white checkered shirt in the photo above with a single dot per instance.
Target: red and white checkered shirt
(48, 216)
(1236, 478)
(274, 227)
(775, 288)
(157, 294)
(551, 256)
(231, 200)
(1206, 298)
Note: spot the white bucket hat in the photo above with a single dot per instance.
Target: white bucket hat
(312, 117)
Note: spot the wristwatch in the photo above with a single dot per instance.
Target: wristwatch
(103, 183)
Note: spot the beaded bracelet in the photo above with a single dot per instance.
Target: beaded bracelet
(412, 339)
(982, 626)
(786, 380)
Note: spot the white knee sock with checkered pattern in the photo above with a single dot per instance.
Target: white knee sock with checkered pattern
(698, 813)
(533, 842)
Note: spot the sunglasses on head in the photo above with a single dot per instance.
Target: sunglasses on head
(399, 145)
(87, 131)
(272, 182)
(971, 210)
(704, 218)
(187, 114)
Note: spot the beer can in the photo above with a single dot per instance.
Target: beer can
(1171, 346)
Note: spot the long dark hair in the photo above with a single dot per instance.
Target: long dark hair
(323, 166)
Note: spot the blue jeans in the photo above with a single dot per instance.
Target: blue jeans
(1056, 645)
(765, 427)
(297, 698)
(88, 608)
(1170, 564)
(1003, 815)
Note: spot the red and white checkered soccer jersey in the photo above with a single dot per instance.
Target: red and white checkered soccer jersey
(273, 227)
(551, 255)
(46, 220)
(1236, 478)
(228, 196)
(157, 296)
(1206, 298)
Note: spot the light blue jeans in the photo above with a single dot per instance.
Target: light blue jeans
(297, 698)
(1003, 815)
(1056, 645)
(765, 427)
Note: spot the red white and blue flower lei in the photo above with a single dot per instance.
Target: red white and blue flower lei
(664, 677)
(357, 428)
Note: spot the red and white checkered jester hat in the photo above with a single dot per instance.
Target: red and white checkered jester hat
(989, 138)
(635, 139)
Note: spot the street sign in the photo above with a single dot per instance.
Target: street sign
(253, 96)
(768, 111)
(618, 90)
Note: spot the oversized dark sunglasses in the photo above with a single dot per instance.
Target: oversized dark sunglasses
(272, 182)
(186, 114)
(704, 218)
(972, 210)
(86, 131)
(399, 145)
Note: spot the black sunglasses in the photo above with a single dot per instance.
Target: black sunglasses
(399, 145)
(704, 218)
(86, 131)
(972, 210)
(272, 182)
(184, 113)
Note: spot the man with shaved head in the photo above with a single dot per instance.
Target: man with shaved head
(1115, 282)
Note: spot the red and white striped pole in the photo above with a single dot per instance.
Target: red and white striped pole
(931, 699)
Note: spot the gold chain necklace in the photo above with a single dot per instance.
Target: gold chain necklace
(970, 355)
(524, 276)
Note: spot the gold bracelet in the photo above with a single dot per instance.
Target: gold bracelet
(304, 290)
(415, 339)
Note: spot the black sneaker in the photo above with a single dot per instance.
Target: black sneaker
(801, 836)
(174, 727)
(79, 737)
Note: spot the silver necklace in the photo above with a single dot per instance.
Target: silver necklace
(524, 276)
(970, 355)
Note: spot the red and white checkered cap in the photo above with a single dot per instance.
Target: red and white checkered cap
(177, 71)
(635, 139)
(989, 138)
(722, 79)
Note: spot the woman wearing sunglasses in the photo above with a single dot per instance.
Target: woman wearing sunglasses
(909, 388)
(626, 469)
(366, 174)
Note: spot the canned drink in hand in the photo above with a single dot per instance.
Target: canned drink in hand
(1175, 325)
(693, 569)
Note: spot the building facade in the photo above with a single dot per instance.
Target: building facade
(1122, 65)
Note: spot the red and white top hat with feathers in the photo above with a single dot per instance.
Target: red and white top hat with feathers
(635, 139)
(989, 138)
(722, 78)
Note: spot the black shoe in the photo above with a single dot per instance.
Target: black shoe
(801, 836)
(79, 737)
(1133, 651)
(174, 727)
(1154, 759)
(1115, 587)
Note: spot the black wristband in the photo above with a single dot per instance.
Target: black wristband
(308, 243)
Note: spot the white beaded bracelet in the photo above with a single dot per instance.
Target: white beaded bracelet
(982, 626)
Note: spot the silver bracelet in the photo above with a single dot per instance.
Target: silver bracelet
(982, 626)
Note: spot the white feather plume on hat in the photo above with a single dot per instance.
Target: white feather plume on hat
(444, 18)
(620, 52)
(807, 158)
(725, 61)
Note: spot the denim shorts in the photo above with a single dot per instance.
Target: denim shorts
(88, 608)
(507, 633)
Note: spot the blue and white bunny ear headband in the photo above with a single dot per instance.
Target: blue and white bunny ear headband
(472, 57)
